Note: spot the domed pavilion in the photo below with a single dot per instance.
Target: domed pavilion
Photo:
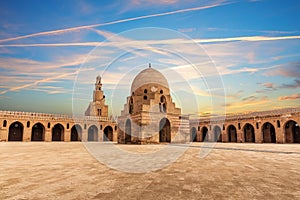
(150, 115)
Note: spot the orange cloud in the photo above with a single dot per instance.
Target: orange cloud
(290, 97)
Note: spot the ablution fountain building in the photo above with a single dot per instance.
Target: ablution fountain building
(150, 116)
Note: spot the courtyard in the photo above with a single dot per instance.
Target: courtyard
(42, 170)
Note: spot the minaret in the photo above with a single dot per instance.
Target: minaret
(98, 93)
(97, 107)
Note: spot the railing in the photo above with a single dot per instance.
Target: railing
(261, 114)
(47, 116)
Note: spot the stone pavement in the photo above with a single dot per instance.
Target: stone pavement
(41, 170)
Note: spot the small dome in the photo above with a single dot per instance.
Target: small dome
(148, 76)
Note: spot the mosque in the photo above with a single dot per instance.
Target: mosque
(149, 116)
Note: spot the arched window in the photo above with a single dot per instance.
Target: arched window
(145, 97)
(278, 123)
(145, 91)
(161, 91)
(163, 104)
(4, 123)
(130, 105)
(68, 125)
(49, 125)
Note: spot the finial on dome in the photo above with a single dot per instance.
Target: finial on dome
(149, 65)
(98, 79)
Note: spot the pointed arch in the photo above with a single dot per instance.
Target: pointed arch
(249, 135)
(108, 133)
(193, 136)
(38, 132)
(15, 132)
(58, 132)
(231, 133)
(76, 133)
(164, 130)
(217, 134)
(292, 132)
(268, 131)
(93, 133)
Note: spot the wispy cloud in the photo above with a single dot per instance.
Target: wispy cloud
(294, 85)
(149, 42)
(290, 97)
(248, 102)
(290, 69)
(60, 31)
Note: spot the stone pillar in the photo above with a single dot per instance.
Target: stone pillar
(279, 134)
(224, 136)
(48, 135)
(84, 135)
(258, 134)
(4, 134)
(27, 134)
(100, 135)
(240, 136)
(115, 135)
(67, 135)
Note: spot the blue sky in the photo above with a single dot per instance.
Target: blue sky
(222, 55)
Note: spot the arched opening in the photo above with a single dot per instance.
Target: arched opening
(193, 135)
(130, 104)
(76, 133)
(269, 135)
(231, 132)
(164, 130)
(15, 132)
(249, 133)
(128, 132)
(217, 134)
(108, 133)
(163, 104)
(292, 132)
(93, 133)
(4, 123)
(204, 134)
(38, 132)
(58, 133)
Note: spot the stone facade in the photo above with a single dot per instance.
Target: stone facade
(150, 115)
(277, 126)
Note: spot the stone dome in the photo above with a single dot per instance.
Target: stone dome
(148, 76)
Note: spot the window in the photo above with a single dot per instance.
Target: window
(198, 128)
(145, 91)
(145, 97)
(84, 126)
(116, 128)
(223, 127)
(239, 126)
(4, 123)
(99, 112)
(48, 126)
(101, 127)
(278, 123)
(257, 125)
(161, 91)
(68, 126)
(28, 124)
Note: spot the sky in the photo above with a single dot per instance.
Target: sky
(219, 56)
